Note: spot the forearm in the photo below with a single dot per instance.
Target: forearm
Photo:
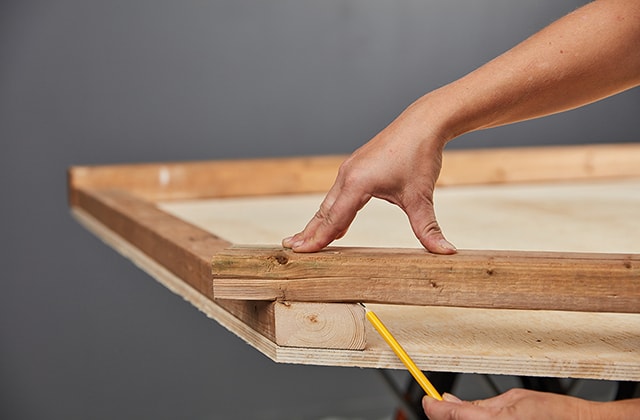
(587, 55)
(615, 410)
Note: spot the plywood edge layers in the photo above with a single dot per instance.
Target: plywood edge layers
(485, 279)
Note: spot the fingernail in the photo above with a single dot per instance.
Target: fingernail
(292, 243)
(451, 398)
(425, 400)
(447, 245)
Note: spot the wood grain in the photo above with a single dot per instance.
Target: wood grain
(181, 247)
(540, 164)
(534, 343)
(320, 325)
(299, 175)
(185, 251)
(224, 178)
(489, 279)
(119, 204)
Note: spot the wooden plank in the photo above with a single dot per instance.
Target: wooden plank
(538, 343)
(185, 251)
(540, 164)
(489, 279)
(514, 342)
(227, 178)
(181, 247)
(298, 175)
(251, 320)
(320, 325)
(119, 203)
(303, 324)
(126, 222)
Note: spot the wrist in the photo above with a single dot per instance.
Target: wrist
(432, 115)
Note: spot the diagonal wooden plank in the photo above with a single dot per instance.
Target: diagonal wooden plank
(489, 279)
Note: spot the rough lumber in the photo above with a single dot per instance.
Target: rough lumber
(320, 325)
(540, 164)
(533, 343)
(224, 178)
(487, 279)
(181, 247)
(185, 251)
(300, 175)
(120, 204)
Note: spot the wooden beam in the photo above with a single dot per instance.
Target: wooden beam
(207, 179)
(320, 325)
(182, 248)
(539, 164)
(185, 251)
(301, 175)
(487, 279)
(339, 326)
(538, 343)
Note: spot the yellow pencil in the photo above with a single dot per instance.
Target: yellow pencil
(402, 355)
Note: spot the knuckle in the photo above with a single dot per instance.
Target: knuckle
(431, 227)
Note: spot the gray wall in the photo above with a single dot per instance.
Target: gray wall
(85, 334)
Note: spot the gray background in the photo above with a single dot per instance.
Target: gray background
(85, 334)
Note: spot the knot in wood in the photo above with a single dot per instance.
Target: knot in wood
(280, 258)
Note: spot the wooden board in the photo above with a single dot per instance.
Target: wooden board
(573, 219)
(449, 339)
(581, 216)
(127, 207)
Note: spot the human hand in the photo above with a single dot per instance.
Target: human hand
(401, 165)
(514, 404)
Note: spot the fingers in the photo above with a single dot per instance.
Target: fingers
(339, 208)
(425, 226)
(330, 222)
(451, 408)
(507, 398)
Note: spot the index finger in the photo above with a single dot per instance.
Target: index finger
(331, 221)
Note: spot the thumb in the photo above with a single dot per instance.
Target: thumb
(426, 228)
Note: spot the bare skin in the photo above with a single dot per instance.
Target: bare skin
(585, 56)
(524, 404)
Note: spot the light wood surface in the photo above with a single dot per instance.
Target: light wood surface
(496, 341)
(160, 217)
(573, 219)
(598, 215)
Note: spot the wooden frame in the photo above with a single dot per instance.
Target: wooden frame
(276, 299)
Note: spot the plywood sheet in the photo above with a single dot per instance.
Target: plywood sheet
(595, 216)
